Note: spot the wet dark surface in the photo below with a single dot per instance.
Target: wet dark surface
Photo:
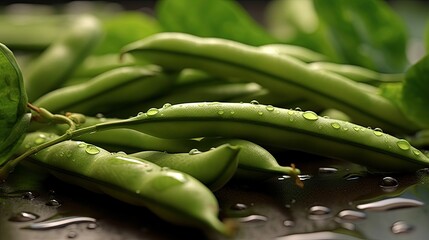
(339, 201)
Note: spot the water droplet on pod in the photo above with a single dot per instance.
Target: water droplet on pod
(310, 115)
(91, 149)
(351, 215)
(239, 207)
(319, 212)
(254, 102)
(336, 125)
(152, 112)
(403, 144)
(269, 108)
(194, 151)
(378, 132)
(166, 105)
(220, 112)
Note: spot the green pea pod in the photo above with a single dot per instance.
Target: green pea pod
(62, 57)
(14, 119)
(222, 162)
(271, 126)
(172, 195)
(274, 72)
(108, 91)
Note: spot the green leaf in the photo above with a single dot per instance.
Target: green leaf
(208, 18)
(415, 93)
(124, 28)
(393, 92)
(367, 33)
(14, 119)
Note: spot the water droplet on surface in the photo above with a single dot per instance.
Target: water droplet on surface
(254, 102)
(304, 177)
(289, 223)
(319, 212)
(351, 215)
(72, 234)
(194, 151)
(91, 149)
(40, 140)
(91, 226)
(23, 217)
(269, 108)
(391, 203)
(28, 195)
(416, 152)
(53, 203)
(352, 177)
(82, 145)
(239, 207)
(389, 183)
(403, 144)
(60, 222)
(327, 170)
(169, 180)
(232, 112)
(166, 105)
(140, 114)
(253, 218)
(220, 112)
(298, 109)
(310, 115)
(325, 235)
(356, 129)
(400, 227)
(152, 112)
(336, 125)
(260, 113)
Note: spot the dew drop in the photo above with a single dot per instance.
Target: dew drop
(28, 195)
(403, 144)
(40, 140)
(310, 115)
(232, 112)
(254, 102)
(60, 222)
(416, 152)
(53, 203)
(92, 226)
(99, 115)
(269, 108)
(327, 170)
(254, 218)
(239, 207)
(304, 177)
(318, 212)
(194, 151)
(166, 105)
(336, 125)
(260, 113)
(82, 145)
(140, 113)
(298, 109)
(352, 177)
(91, 149)
(351, 215)
(378, 132)
(389, 183)
(220, 112)
(391, 203)
(356, 129)
(400, 227)
(23, 217)
(289, 223)
(152, 112)
(72, 234)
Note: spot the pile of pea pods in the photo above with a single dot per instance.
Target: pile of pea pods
(166, 115)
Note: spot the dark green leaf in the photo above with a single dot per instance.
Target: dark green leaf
(125, 28)
(415, 93)
(207, 18)
(14, 119)
(365, 32)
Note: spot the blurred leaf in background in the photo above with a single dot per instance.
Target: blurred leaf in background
(220, 18)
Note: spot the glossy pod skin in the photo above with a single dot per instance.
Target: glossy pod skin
(106, 91)
(254, 162)
(57, 62)
(172, 195)
(274, 72)
(289, 129)
(221, 161)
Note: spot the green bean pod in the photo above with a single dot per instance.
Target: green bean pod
(254, 162)
(108, 91)
(358, 74)
(274, 72)
(62, 57)
(271, 126)
(172, 195)
(222, 162)
(298, 52)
